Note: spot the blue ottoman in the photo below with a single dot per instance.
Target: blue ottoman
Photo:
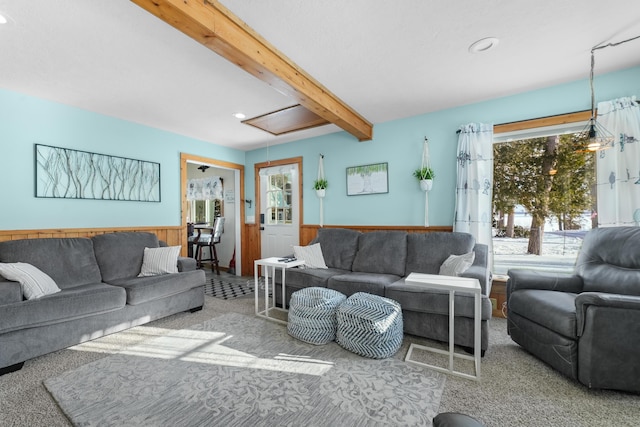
(312, 314)
(370, 325)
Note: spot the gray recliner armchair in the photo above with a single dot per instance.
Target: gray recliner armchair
(585, 324)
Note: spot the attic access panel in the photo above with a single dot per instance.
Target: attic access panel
(287, 120)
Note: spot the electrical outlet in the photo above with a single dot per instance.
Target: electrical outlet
(494, 303)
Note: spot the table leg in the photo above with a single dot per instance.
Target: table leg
(256, 282)
(266, 290)
(476, 333)
(452, 295)
(283, 289)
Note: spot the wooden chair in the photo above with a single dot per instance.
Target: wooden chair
(208, 237)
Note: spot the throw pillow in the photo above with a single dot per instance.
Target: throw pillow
(455, 265)
(158, 261)
(312, 255)
(34, 282)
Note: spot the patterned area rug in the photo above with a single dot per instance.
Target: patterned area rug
(238, 370)
(224, 289)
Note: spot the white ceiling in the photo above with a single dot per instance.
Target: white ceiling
(386, 59)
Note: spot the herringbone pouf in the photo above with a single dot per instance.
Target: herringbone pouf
(370, 325)
(312, 314)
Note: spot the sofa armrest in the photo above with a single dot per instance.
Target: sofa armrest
(601, 299)
(187, 264)
(480, 268)
(482, 274)
(10, 292)
(548, 281)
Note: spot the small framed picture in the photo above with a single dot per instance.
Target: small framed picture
(367, 179)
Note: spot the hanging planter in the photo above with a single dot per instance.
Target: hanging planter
(320, 185)
(425, 175)
(426, 184)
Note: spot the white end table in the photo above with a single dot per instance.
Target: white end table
(269, 266)
(451, 284)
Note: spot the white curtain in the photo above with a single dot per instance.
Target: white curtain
(474, 187)
(618, 168)
(209, 188)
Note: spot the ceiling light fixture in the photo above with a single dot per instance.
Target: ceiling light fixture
(3, 19)
(239, 116)
(596, 136)
(484, 45)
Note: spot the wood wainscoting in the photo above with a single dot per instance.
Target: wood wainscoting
(170, 234)
(174, 235)
(251, 238)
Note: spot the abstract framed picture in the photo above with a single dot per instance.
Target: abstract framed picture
(367, 179)
(63, 173)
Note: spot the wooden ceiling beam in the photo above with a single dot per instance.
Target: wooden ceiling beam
(214, 26)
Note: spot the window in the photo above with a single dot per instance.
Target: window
(279, 199)
(204, 211)
(544, 198)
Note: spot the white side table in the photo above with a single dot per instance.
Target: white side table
(451, 284)
(269, 266)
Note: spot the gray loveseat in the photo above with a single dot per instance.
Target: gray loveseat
(100, 293)
(377, 263)
(585, 324)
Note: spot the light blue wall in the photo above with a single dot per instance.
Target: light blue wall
(400, 144)
(25, 121)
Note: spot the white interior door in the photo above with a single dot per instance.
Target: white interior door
(279, 210)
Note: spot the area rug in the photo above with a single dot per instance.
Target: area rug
(239, 370)
(225, 289)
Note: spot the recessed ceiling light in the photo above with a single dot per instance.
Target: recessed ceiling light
(3, 19)
(484, 45)
(239, 115)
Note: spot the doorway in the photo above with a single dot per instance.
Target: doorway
(279, 205)
(232, 200)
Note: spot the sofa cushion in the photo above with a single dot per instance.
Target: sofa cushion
(156, 261)
(68, 261)
(33, 282)
(455, 265)
(119, 255)
(427, 251)
(414, 297)
(339, 246)
(371, 283)
(382, 252)
(609, 260)
(312, 255)
(307, 277)
(10, 292)
(143, 289)
(555, 311)
(71, 303)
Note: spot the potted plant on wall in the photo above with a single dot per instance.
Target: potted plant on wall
(320, 185)
(425, 175)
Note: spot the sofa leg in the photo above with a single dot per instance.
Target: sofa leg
(470, 350)
(193, 310)
(12, 368)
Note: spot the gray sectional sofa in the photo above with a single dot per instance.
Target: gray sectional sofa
(100, 294)
(378, 263)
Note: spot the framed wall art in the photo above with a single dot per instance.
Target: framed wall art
(72, 174)
(367, 179)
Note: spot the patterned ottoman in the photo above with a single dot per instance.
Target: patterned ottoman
(312, 314)
(370, 325)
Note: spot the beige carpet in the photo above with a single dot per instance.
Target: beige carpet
(516, 389)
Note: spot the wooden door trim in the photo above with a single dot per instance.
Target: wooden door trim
(184, 159)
